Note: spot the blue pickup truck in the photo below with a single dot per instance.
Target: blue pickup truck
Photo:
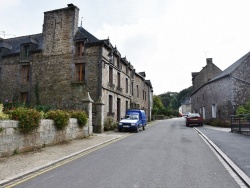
(133, 120)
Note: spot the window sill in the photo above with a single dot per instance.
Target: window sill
(77, 82)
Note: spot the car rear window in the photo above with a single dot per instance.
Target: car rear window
(194, 115)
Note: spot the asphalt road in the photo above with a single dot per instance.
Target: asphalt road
(167, 154)
(237, 147)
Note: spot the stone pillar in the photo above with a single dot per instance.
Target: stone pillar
(87, 106)
(99, 126)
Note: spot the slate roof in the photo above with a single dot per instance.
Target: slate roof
(14, 43)
(84, 34)
(231, 68)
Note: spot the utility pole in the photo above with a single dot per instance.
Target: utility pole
(3, 33)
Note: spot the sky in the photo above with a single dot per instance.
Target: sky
(168, 39)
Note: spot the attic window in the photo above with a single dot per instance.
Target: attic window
(25, 51)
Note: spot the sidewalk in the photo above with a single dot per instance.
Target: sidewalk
(18, 165)
(233, 147)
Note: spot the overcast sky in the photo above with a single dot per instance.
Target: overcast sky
(168, 39)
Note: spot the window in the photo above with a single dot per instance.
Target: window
(25, 73)
(110, 75)
(79, 49)
(145, 96)
(79, 72)
(25, 52)
(204, 113)
(126, 106)
(118, 80)
(118, 63)
(137, 90)
(24, 97)
(126, 85)
(213, 111)
(132, 88)
(110, 104)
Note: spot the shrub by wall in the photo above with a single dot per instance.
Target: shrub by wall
(81, 117)
(3, 116)
(28, 119)
(60, 117)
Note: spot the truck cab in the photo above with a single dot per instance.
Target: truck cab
(133, 120)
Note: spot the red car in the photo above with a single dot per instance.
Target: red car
(194, 119)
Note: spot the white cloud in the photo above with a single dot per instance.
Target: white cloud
(168, 39)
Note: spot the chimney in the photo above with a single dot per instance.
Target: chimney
(209, 60)
(71, 5)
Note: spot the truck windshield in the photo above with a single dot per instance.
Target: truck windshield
(132, 116)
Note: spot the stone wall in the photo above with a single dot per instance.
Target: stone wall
(217, 93)
(241, 83)
(206, 74)
(225, 94)
(12, 141)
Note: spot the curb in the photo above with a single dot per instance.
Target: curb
(21, 175)
(236, 169)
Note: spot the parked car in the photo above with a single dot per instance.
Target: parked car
(185, 114)
(194, 119)
(133, 120)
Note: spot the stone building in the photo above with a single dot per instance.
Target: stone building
(61, 65)
(216, 93)
(185, 106)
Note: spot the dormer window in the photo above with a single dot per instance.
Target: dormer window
(79, 49)
(25, 51)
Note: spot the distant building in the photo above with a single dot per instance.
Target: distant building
(185, 106)
(216, 93)
(59, 66)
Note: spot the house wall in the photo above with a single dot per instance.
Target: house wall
(216, 93)
(226, 93)
(241, 83)
(206, 74)
(52, 70)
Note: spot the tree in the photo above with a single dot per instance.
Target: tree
(244, 109)
(157, 104)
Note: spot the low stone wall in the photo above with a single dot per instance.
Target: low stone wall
(12, 141)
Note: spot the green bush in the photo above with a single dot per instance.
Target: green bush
(28, 119)
(44, 108)
(3, 116)
(60, 117)
(81, 117)
(110, 124)
(218, 122)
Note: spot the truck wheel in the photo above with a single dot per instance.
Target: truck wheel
(143, 127)
(120, 129)
(137, 129)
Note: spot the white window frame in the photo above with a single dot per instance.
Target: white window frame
(213, 111)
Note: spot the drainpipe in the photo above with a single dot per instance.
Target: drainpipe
(100, 72)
